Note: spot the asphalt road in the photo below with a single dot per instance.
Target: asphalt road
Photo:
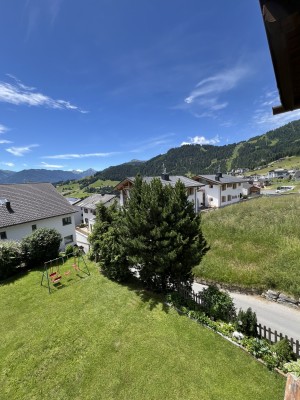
(273, 315)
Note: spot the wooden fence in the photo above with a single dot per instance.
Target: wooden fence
(262, 331)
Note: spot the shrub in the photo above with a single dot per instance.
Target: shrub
(42, 245)
(293, 367)
(259, 348)
(10, 258)
(283, 351)
(247, 322)
(217, 304)
(69, 249)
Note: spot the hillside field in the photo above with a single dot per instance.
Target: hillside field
(95, 339)
(255, 243)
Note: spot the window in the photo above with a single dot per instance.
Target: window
(223, 187)
(229, 185)
(67, 221)
(239, 184)
(223, 199)
(3, 235)
(229, 197)
(68, 239)
(211, 186)
(190, 191)
(234, 186)
(33, 228)
(86, 210)
(94, 212)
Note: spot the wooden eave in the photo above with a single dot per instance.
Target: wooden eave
(282, 24)
(125, 184)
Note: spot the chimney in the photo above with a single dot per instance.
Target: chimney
(218, 174)
(164, 176)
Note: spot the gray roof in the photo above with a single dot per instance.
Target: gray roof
(73, 200)
(92, 201)
(172, 180)
(223, 179)
(31, 202)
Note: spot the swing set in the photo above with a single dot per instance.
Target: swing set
(54, 272)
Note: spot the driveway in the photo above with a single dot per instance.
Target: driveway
(273, 315)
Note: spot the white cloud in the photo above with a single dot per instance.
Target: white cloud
(46, 165)
(263, 115)
(9, 164)
(202, 140)
(3, 129)
(3, 141)
(20, 151)
(217, 84)
(72, 156)
(20, 94)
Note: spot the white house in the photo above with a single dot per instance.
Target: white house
(88, 212)
(26, 207)
(278, 173)
(221, 190)
(78, 216)
(193, 188)
(88, 206)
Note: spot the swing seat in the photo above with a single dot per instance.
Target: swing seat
(53, 274)
(67, 273)
(57, 279)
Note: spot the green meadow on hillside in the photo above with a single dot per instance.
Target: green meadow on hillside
(95, 339)
(254, 243)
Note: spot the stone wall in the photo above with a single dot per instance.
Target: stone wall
(270, 295)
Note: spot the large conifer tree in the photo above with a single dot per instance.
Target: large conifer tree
(162, 234)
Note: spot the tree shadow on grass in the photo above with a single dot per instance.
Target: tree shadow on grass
(152, 299)
(21, 272)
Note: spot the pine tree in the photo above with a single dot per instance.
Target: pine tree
(162, 234)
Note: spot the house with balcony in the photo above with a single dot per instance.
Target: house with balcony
(220, 189)
(26, 207)
(194, 190)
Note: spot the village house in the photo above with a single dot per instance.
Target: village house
(193, 188)
(26, 207)
(221, 190)
(278, 173)
(88, 216)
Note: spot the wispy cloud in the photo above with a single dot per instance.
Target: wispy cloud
(46, 165)
(8, 164)
(19, 94)
(5, 141)
(206, 98)
(264, 117)
(3, 129)
(154, 142)
(202, 140)
(74, 156)
(20, 151)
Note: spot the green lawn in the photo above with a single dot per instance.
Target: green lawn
(254, 244)
(95, 339)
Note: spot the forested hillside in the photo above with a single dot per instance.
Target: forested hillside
(196, 159)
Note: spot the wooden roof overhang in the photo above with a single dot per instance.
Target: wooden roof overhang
(282, 24)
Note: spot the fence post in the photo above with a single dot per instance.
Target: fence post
(270, 335)
(265, 332)
(297, 348)
(275, 337)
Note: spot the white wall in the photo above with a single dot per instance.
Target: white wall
(18, 232)
(82, 240)
(213, 196)
(78, 216)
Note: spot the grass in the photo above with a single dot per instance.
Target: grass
(73, 190)
(95, 339)
(255, 244)
(292, 162)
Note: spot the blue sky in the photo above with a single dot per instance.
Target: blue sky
(101, 82)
